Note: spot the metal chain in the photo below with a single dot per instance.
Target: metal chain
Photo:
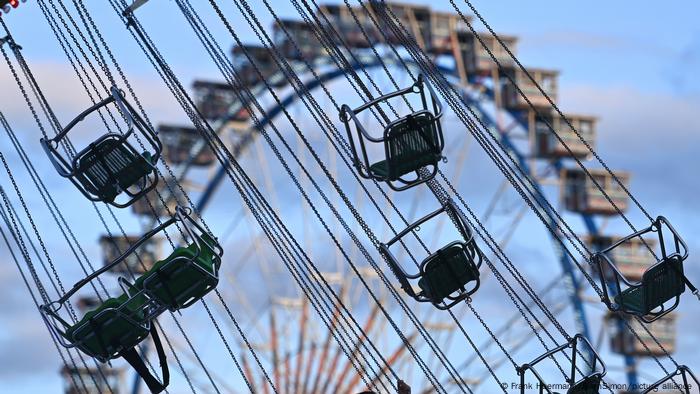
(594, 285)
(289, 172)
(452, 314)
(37, 281)
(556, 108)
(51, 204)
(36, 302)
(343, 196)
(493, 268)
(190, 113)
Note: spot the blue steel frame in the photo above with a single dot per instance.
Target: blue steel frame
(591, 228)
(565, 261)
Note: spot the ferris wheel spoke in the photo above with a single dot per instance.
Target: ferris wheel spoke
(303, 327)
(327, 343)
(197, 379)
(511, 323)
(393, 359)
(357, 348)
(519, 344)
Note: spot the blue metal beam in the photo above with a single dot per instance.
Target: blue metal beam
(593, 230)
(264, 121)
(630, 361)
(566, 263)
(314, 83)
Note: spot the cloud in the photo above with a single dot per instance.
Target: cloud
(682, 69)
(674, 65)
(67, 97)
(26, 349)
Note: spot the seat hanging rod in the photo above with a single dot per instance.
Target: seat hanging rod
(135, 5)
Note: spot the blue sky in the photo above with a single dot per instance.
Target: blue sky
(632, 64)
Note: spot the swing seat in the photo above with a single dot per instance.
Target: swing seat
(411, 144)
(446, 271)
(660, 283)
(116, 325)
(591, 375)
(111, 166)
(183, 278)
(589, 385)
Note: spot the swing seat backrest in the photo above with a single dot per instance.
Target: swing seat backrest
(110, 166)
(412, 142)
(660, 283)
(183, 278)
(663, 282)
(447, 271)
(589, 385)
(116, 325)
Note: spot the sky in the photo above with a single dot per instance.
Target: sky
(632, 64)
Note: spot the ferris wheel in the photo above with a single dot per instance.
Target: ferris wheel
(317, 112)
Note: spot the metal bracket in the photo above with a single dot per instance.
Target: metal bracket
(697, 294)
(134, 6)
(10, 41)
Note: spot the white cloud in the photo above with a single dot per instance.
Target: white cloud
(26, 347)
(67, 97)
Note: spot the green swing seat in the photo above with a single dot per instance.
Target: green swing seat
(660, 284)
(111, 166)
(116, 325)
(183, 278)
(447, 271)
(412, 144)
